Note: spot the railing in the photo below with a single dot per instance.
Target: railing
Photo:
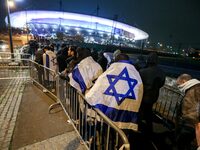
(94, 128)
(44, 77)
(6, 57)
(17, 67)
(167, 104)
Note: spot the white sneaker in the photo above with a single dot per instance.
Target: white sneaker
(44, 90)
(69, 121)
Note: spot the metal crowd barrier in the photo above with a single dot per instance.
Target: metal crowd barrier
(14, 65)
(167, 104)
(92, 125)
(44, 77)
(94, 128)
(96, 131)
(6, 57)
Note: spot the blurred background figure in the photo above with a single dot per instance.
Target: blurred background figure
(102, 60)
(115, 54)
(140, 62)
(33, 47)
(94, 54)
(39, 60)
(153, 79)
(61, 59)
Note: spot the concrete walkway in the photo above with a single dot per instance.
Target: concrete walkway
(10, 99)
(25, 122)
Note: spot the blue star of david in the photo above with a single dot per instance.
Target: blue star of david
(113, 79)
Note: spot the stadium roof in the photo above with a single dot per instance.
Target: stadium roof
(20, 19)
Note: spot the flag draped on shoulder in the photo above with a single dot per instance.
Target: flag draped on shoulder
(49, 61)
(83, 75)
(118, 94)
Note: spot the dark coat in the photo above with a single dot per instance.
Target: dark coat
(189, 113)
(103, 62)
(153, 79)
(39, 57)
(61, 60)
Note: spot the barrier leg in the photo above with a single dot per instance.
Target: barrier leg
(55, 105)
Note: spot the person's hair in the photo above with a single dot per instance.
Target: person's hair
(185, 77)
(82, 53)
(73, 49)
(63, 45)
(152, 58)
(116, 52)
(51, 46)
(64, 51)
(46, 47)
(121, 57)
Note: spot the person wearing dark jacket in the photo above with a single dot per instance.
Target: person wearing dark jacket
(61, 59)
(72, 58)
(153, 79)
(38, 56)
(102, 61)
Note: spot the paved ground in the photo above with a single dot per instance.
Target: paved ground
(25, 122)
(10, 99)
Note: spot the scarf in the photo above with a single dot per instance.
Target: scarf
(185, 86)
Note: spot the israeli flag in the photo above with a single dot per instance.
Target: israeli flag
(118, 94)
(49, 61)
(83, 75)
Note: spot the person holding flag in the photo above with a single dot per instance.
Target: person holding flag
(118, 93)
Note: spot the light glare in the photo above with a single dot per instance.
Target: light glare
(11, 3)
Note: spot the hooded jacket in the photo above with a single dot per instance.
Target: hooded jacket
(190, 106)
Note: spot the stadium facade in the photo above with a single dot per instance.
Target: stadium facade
(93, 29)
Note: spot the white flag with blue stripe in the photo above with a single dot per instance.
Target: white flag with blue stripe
(83, 75)
(118, 94)
(49, 61)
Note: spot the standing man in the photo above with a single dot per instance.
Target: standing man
(39, 66)
(189, 112)
(153, 79)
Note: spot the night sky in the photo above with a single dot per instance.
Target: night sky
(175, 21)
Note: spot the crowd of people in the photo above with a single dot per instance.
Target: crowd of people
(125, 92)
